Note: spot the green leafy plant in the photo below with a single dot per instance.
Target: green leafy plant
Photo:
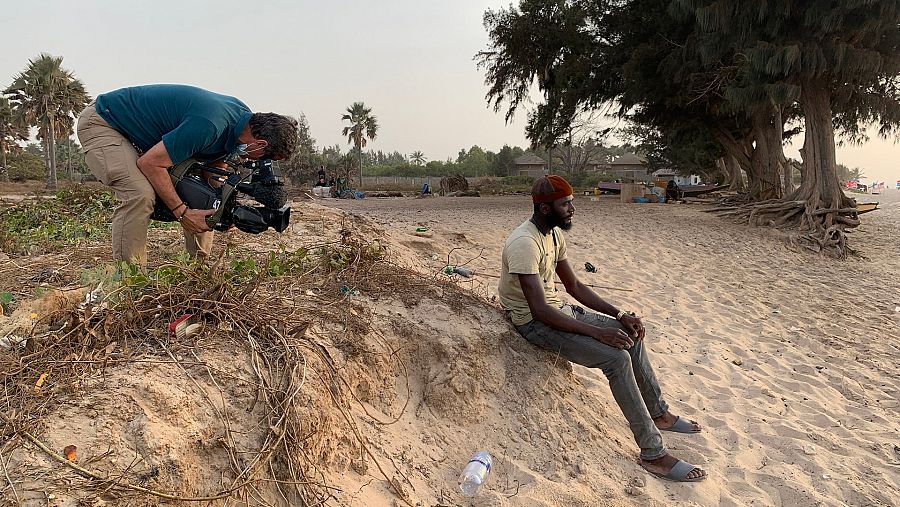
(75, 215)
(6, 299)
(283, 262)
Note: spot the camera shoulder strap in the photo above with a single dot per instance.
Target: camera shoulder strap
(179, 170)
(227, 190)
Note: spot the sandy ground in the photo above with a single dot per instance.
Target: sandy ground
(788, 359)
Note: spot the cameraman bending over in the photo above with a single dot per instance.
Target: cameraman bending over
(132, 136)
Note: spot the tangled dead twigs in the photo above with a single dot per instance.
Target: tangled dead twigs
(265, 305)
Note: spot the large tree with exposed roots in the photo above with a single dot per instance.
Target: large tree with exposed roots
(841, 60)
(733, 72)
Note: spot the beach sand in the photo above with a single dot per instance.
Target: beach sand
(789, 360)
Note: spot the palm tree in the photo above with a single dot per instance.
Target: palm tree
(362, 125)
(47, 96)
(11, 130)
(417, 158)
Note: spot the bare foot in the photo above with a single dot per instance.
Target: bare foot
(663, 466)
(666, 421)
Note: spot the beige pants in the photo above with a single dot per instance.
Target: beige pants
(113, 160)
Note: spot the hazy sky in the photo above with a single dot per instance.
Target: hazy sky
(410, 61)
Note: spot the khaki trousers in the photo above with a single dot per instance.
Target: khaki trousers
(113, 160)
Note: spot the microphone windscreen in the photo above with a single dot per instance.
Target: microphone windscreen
(271, 196)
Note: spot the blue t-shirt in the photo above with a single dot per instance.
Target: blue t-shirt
(190, 121)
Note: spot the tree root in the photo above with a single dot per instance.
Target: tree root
(821, 230)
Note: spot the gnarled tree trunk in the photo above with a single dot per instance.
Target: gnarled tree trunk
(828, 210)
(788, 178)
(818, 212)
(766, 159)
(737, 156)
(736, 178)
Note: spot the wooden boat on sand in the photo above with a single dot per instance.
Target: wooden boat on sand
(686, 191)
(865, 207)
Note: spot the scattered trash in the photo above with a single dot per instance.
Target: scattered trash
(463, 272)
(349, 291)
(459, 270)
(776, 311)
(184, 326)
(590, 267)
(39, 383)
(10, 340)
(423, 231)
(71, 453)
(475, 473)
(897, 309)
(737, 361)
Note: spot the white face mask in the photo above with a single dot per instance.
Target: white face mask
(259, 148)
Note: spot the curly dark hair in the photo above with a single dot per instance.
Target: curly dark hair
(278, 130)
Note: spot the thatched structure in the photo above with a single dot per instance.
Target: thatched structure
(454, 183)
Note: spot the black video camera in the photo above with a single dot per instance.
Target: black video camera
(264, 187)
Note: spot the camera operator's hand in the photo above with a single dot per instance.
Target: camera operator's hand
(615, 338)
(194, 220)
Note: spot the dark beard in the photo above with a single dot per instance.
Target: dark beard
(554, 220)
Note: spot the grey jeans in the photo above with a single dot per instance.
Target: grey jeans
(629, 373)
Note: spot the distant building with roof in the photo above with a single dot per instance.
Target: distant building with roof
(629, 167)
(530, 165)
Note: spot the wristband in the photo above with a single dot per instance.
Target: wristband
(186, 208)
(173, 210)
(620, 314)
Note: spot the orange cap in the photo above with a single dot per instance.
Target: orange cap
(550, 188)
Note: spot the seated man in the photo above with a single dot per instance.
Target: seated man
(673, 193)
(534, 253)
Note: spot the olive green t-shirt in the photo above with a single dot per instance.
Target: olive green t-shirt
(528, 252)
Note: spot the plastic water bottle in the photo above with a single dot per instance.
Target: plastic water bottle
(463, 272)
(475, 473)
(459, 270)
